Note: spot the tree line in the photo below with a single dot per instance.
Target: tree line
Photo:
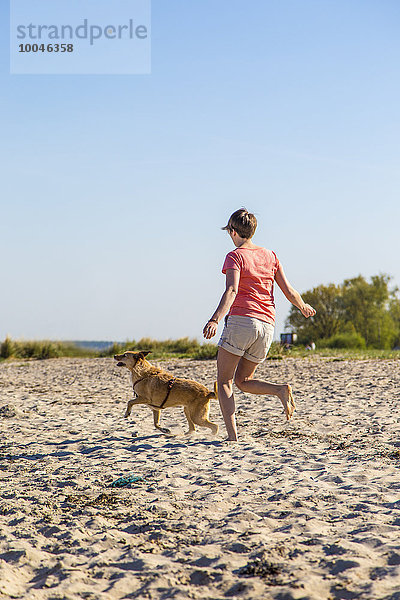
(356, 314)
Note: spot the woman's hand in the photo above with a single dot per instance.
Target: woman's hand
(228, 297)
(308, 311)
(210, 329)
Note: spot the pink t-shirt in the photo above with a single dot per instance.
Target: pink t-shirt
(255, 297)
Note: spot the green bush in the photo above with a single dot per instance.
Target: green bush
(343, 340)
(159, 348)
(114, 349)
(7, 348)
(181, 348)
(40, 350)
(276, 352)
(205, 352)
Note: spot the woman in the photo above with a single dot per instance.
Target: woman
(249, 327)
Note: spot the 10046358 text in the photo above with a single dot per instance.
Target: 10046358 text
(46, 48)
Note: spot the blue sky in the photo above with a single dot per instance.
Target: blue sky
(114, 188)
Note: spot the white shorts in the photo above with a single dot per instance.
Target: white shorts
(248, 337)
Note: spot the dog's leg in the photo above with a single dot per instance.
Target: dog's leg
(157, 415)
(199, 414)
(191, 424)
(132, 403)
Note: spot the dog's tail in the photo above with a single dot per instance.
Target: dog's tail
(214, 394)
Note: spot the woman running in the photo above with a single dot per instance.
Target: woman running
(249, 326)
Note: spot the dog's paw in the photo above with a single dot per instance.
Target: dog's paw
(126, 415)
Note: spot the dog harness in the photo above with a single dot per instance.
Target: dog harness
(170, 383)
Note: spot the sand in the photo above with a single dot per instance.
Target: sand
(306, 509)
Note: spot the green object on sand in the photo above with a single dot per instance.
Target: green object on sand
(126, 481)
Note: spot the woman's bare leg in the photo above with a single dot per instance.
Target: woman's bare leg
(245, 382)
(226, 364)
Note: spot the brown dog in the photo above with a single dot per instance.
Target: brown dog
(159, 389)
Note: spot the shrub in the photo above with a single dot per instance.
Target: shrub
(205, 352)
(276, 352)
(159, 348)
(343, 340)
(40, 350)
(181, 346)
(114, 349)
(6, 348)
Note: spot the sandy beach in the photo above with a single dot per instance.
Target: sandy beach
(303, 510)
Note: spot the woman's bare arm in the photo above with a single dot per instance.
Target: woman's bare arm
(293, 295)
(229, 295)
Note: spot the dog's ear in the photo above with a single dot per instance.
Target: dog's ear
(144, 354)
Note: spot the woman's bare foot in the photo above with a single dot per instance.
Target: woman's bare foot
(287, 399)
